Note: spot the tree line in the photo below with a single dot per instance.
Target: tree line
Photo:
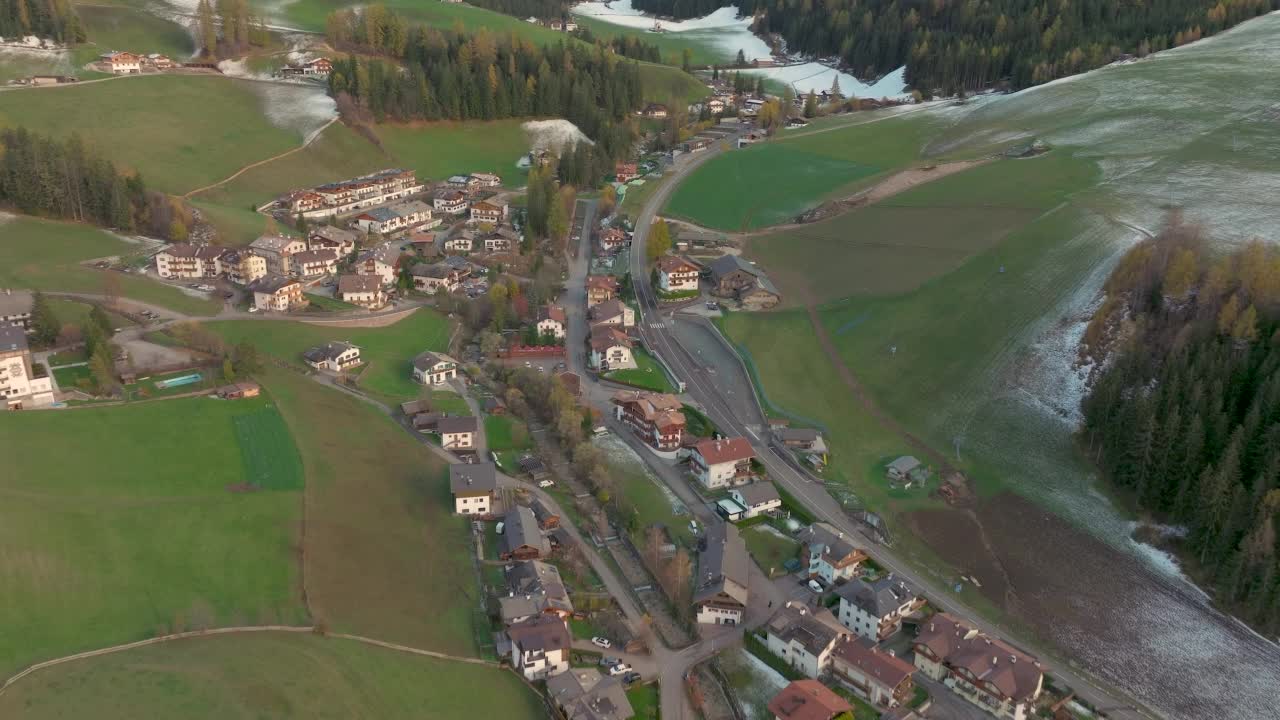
(951, 48)
(228, 27)
(65, 179)
(1185, 414)
(459, 76)
(541, 9)
(48, 19)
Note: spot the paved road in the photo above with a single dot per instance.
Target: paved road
(718, 388)
(574, 300)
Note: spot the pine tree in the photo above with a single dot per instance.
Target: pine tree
(44, 321)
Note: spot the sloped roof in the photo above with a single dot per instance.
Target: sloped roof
(358, 283)
(522, 530)
(813, 629)
(722, 565)
(880, 597)
(544, 632)
(757, 492)
(479, 478)
(887, 669)
(328, 351)
(1011, 672)
(726, 450)
(808, 700)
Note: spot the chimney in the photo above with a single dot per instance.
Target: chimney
(995, 659)
(1013, 658)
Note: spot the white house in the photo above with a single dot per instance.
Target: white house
(333, 356)
(380, 261)
(718, 463)
(312, 263)
(804, 637)
(457, 433)
(675, 274)
(433, 368)
(540, 647)
(610, 349)
(187, 261)
(461, 242)
(122, 63)
(874, 610)
(472, 487)
(484, 180)
(613, 312)
(362, 290)
(551, 322)
(721, 592)
(451, 202)
(489, 211)
(278, 250)
(19, 386)
(829, 554)
(757, 498)
(983, 670)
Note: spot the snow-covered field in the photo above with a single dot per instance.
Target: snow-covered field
(818, 77)
(723, 29)
(553, 135)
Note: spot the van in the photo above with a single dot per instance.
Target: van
(601, 430)
(501, 526)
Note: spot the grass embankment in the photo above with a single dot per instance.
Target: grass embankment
(45, 255)
(769, 549)
(670, 45)
(134, 30)
(387, 351)
(771, 183)
(180, 132)
(276, 675)
(75, 313)
(645, 701)
(647, 375)
(508, 437)
(120, 523)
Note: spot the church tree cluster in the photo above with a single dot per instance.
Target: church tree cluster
(963, 46)
(46, 19)
(460, 76)
(1185, 415)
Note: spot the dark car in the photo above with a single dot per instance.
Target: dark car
(630, 677)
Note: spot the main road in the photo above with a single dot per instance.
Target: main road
(712, 384)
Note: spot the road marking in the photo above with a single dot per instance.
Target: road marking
(657, 326)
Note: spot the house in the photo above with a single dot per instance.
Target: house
(540, 647)
(472, 487)
(533, 466)
(278, 250)
(986, 671)
(497, 244)
(432, 278)
(160, 62)
(720, 587)
(23, 383)
(390, 219)
(16, 307)
(733, 277)
(433, 368)
(757, 498)
(450, 202)
(875, 609)
(676, 275)
(328, 237)
(610, 349)
(715, 106)
(600, 288)
(625, 172)
(318, 66)
(461, 242)
(719, 463)
(243, 266)
(570, 26)
(484, 180)
(493, 405)
(551, 321)
(313, 263)
(458, 182)
(122, 63)
(804, 637)
(881, 677)
(805, 439)
(612, 240)
(347, 196)
(489, 211)
(613, 312)
(381, 261)
(239, 390)
(362, 290)
(655, 417)
(425, 244)
(457, 433)
(906, 471)
(425, 422)
(829, 554)
(333, 356)
(534, 588)
(654, 111)
(276, 293)
(808, 700)
(697, 144)
(187, 261)
(522, 538)
(585, 694)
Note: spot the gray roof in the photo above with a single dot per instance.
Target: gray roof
(472, 478)
(585, 694)
(270, 283)
(13, 338)
(723, 565)
(273, 243)
(758, 492)
(806, 435)
(541, 633)
(534, 587)
(879, 598)
(521, 530)
(16, 302)
(830, 542)
(904, 464)
(813, 629)
(382, 214)
(461, 424)
(334, 234)
(726, 264)
(437, 270)
(320, 255)
(428, 359)
(387, 253)
(328, 351)
(410, 206)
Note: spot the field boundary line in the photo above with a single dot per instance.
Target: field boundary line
(306, 144)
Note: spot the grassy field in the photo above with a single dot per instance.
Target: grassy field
(670, 45)
(45, 255)
(898, 244)
(386, 351)
(71, 312)
(664, 84)
(504, 432)
(119, 523)
(645, 701)
(384, 556)
(268, 675)
(769, 549)
(438, 150)
(134, 30)
(179, 132)
(647, 375)
(270, 458)
(770, 183)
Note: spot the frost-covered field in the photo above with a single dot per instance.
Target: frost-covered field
(723, 29)
(818, 77)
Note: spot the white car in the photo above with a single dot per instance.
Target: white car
(620, 669)
(601, 642)
(814, 586)
(546, 483)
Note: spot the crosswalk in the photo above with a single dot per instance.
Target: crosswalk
(657, 325)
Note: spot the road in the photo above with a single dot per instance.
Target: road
(712, 385)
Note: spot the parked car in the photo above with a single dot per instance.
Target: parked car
(693, 526)
(631, 677)
(607, 661)
(601, 642)
(501, 526)
(546, 483)
(620, 669)
(814, 586)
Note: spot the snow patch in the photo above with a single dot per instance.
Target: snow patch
(725, 29)
(553, 135)
(818, 77)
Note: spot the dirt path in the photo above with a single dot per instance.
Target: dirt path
(250, 166)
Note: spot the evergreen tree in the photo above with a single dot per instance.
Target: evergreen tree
(44, 321)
